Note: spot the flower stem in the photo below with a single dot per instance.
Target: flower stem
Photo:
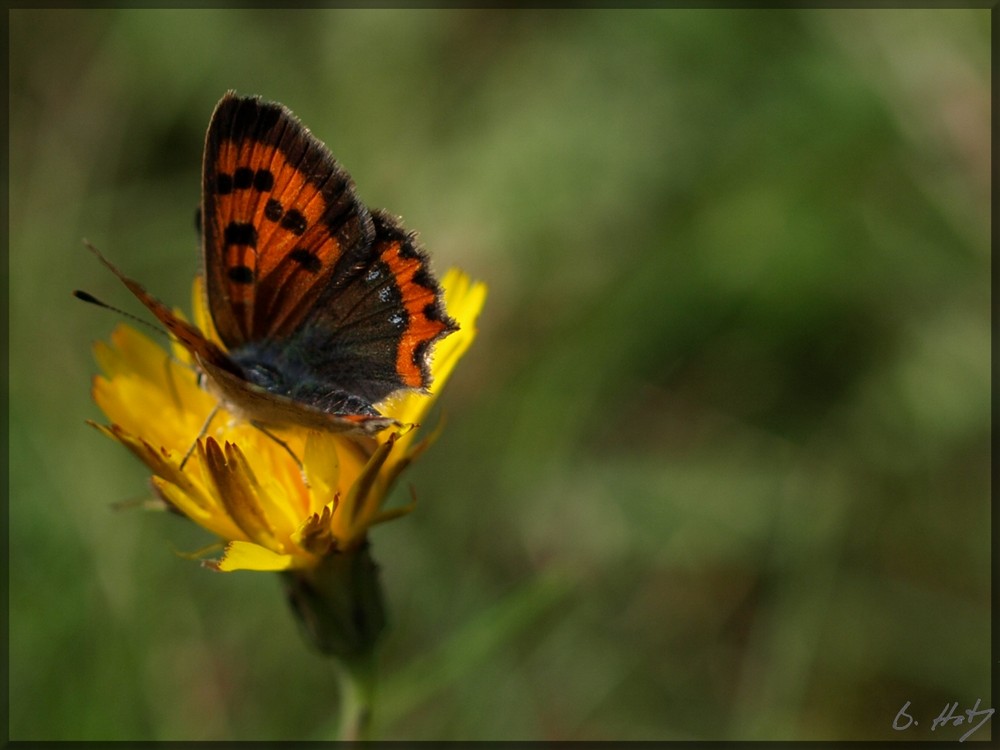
(357, 696)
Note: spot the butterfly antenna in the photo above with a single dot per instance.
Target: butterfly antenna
(88, 297)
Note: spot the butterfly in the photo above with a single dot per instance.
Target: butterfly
(322, 307)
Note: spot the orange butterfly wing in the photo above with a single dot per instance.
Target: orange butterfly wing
(281, 220)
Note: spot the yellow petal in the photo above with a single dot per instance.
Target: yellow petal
(322, 465)
(185, 492)
(464, 301)
(249, 556)
(214, 518)
(143, 380)
(156, 460)
(133, 354)
(202, 316)
(238, 490)
(360, 504)
(275, 478)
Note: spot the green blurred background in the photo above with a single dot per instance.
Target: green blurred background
(718, 465)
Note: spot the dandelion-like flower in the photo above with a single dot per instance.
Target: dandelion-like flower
(240, 483)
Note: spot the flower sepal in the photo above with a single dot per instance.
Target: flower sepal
(338, 602)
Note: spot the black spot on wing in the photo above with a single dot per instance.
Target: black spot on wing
(240, 275)
(432, 311)
(273, 209)
(242, 178)
(306, 259)
(240, 233)
(263, 180)
(407, 248)
(423, 277)
(294, 222)
(223, 183)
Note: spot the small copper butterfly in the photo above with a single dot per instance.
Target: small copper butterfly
(322, 306)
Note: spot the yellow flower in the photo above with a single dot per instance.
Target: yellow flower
(239, 483)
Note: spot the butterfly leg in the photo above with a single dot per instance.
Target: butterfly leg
(283, 444)
(201, 434)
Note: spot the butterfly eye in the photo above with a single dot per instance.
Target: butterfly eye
(267, 377)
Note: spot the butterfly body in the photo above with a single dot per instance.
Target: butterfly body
(322, 307)
(313, 405)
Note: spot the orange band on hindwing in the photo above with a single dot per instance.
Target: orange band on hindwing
(423, 324)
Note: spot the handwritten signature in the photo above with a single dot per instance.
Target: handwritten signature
(950, 715)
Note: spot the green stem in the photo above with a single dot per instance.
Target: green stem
(357, 697)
